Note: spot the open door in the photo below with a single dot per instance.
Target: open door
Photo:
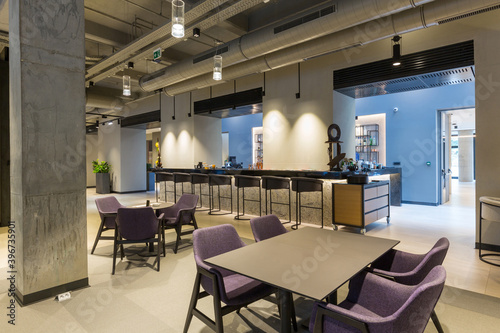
(445, 157)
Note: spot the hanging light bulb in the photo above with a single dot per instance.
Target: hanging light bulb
(126, 85)
(217, 67)
(177, 18)
(396, 51)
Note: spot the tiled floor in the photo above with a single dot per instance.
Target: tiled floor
(140, 299)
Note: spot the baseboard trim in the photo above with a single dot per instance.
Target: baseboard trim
(127, 192)
(419, 203)
(488, 247)
(51, 292)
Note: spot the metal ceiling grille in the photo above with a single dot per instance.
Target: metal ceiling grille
(484, 10)
(211, 54)
(438, 67)
(304, 19)
(229, 105)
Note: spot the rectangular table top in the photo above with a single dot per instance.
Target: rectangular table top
(311, 262)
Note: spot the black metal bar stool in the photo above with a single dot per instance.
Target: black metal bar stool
(161, 176)
(301, 185)
(245, 182)
(219, 180)
(180, 177)
(489, 209)
(200, 179)
(270, 183)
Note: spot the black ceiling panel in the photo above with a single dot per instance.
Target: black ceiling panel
(232, 101)
(435, 67)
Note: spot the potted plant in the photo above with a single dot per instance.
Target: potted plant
(101, 169)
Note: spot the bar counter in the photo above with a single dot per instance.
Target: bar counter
(391, 174)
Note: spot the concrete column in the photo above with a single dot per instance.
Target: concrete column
(4, 145)
(465, 156)
(47, 125)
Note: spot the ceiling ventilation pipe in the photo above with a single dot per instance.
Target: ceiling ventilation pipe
(318, 23)
(104, 102)
(410, 20)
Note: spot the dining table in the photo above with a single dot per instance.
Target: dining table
(310, 262)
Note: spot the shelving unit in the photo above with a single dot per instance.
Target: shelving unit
(258, 151)
(367, 142)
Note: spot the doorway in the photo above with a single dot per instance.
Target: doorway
(457, 150)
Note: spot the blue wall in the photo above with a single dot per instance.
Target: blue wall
(412, 134)
(240, 136)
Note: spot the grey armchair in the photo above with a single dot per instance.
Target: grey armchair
(178, 215)
(375, 304)
(107, 208)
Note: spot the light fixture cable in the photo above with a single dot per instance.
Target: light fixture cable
(217, 75)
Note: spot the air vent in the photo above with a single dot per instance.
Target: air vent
(231, 101)
(210, 54)
(304, 19)
(480, 11)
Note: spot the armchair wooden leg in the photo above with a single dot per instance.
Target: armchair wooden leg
(178, 240)
(101, 227)
(114, 257)
(193, 302)
(436, 322)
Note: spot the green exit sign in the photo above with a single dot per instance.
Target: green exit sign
(157, 55)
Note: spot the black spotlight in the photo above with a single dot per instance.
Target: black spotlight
(396, 51)
(196, 32)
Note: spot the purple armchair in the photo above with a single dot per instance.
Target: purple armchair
(411, 269)
(137, 225)
(268, 226)
(181, 213)
(375, 304)
(107, 208)
(234, 290)
(265, 227)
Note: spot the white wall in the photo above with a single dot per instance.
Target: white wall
(110, 151)
(92, 147)
(133, 159)
(125, 150)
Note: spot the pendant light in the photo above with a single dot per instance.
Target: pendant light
(178, 18)
(217, 67)
(126, 85)
(396, 51)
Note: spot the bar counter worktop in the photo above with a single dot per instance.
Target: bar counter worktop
(284, 173)
(389, 173)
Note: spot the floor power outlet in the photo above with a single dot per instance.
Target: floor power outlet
(63, 296)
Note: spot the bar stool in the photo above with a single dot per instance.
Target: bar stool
(199, 179)
(219, 180)
(161, 176)
(180, 177)
(270, 183)
(301, 185)
(245, 182)
(489, 209)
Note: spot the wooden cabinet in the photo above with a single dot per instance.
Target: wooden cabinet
(358, 205)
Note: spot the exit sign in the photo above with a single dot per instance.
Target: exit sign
(157, 55)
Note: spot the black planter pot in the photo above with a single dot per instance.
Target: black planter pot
(102, 183)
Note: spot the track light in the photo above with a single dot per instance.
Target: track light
(396, 51)
(178, 18)
(196, 32)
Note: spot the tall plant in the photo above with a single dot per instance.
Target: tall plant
(101, 167)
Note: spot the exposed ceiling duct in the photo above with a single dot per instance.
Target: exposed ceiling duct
(104, 102)
(328, 19)
(161, 38)
(410, 20)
